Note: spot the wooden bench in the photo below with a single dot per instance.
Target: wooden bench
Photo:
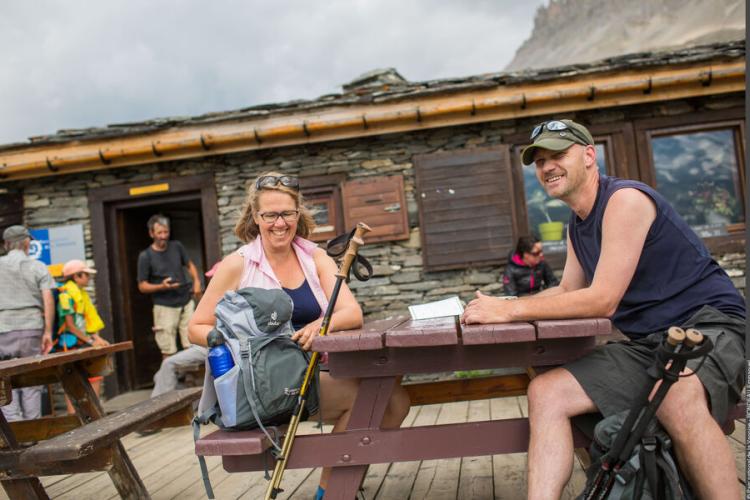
(96, 445)
(255, 443)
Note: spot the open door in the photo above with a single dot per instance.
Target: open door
(190, 203)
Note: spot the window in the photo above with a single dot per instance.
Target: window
(698, 173)
(322, 195)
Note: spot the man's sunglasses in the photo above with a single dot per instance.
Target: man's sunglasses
(556, 126)
(273, 181)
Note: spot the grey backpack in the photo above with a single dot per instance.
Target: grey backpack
(651, 472)
(262, 388)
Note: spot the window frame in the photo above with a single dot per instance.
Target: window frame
(327, 187)
(733, 118)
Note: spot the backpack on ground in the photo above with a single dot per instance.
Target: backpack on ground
(652, 462)
(261, 389)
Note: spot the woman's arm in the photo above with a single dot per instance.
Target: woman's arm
(346, 313)
(227, 278)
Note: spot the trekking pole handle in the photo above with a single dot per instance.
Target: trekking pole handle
(675, 336)
(693, 337)
(352, 249)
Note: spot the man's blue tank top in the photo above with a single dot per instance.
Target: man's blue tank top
(675, 275)
(306, 307)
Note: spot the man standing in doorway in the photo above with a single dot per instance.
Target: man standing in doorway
(161, 274)
(26, 314)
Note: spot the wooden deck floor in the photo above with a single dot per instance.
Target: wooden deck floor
(169, 468)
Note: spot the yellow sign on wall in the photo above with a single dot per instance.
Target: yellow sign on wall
(153, 188)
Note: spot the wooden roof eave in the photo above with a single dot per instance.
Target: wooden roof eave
(503, 102)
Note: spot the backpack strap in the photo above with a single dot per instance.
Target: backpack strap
(248, 376)
(648, 452)
(197, 422)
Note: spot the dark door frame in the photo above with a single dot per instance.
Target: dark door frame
(103, 204)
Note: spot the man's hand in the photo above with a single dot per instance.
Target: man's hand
(305, 335)
(486, 309)
(46, 342)
(169, 284)
(197, 292)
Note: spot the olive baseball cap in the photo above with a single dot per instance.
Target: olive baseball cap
(16, 233)
(565, 134)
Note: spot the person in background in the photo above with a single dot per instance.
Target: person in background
(161, 274)
(274, 224)
(527, 272)
(165, 379)
(78, 319)
(26, 315)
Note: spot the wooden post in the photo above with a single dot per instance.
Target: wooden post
(74, 379)
(19, 488)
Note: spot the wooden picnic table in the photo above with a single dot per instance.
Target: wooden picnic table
(384, 350)
(83, 442)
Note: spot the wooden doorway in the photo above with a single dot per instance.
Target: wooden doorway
(119, 214)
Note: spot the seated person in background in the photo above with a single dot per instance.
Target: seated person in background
(526, 272)
(78, 319)
(165, 379)
(274, 224)
(630, 257)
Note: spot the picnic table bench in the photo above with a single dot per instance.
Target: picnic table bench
(83, 442)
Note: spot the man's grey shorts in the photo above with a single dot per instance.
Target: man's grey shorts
(614, 373)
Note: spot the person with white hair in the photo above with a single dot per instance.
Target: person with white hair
(26, 315)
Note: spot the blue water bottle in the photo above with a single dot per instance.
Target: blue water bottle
(219, 358)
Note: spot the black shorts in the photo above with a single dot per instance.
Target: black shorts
(613, 374)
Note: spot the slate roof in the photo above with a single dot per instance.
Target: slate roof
(387, 85)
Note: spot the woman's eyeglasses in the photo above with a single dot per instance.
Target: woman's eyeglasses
(273, 180)
(272, 217)
(537, 253)
(555, 126)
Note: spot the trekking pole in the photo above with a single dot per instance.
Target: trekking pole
(680, 353)
(611, 463)
(286, 448)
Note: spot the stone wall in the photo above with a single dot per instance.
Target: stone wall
(399, 279)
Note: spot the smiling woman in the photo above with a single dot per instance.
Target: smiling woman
(274, 224)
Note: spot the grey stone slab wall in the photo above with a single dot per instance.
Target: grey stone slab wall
(399, 279)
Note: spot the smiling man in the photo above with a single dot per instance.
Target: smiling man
(632, 258)
(161, 274)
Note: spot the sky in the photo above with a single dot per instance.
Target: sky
(79, 63)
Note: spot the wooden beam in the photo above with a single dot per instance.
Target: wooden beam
(469, 389)
(594, 91)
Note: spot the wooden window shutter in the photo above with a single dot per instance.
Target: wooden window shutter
(466, 207)
(380, 203)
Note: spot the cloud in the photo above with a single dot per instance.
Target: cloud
(77, 64)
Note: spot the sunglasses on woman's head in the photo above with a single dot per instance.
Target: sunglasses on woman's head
(555, 126)
(273, 180)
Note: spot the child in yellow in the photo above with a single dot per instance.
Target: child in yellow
(78, 319)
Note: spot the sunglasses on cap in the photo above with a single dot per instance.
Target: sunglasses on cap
(273, 180)
(556, 126)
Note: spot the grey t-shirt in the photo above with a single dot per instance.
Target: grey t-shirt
(22, 280)
(154, 266)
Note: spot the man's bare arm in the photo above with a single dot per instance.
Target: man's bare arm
(627, 220)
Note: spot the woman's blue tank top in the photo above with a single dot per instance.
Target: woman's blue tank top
(306, 308)
(675, 275)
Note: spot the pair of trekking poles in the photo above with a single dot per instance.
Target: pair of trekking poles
(671, 357)
(353, 242)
